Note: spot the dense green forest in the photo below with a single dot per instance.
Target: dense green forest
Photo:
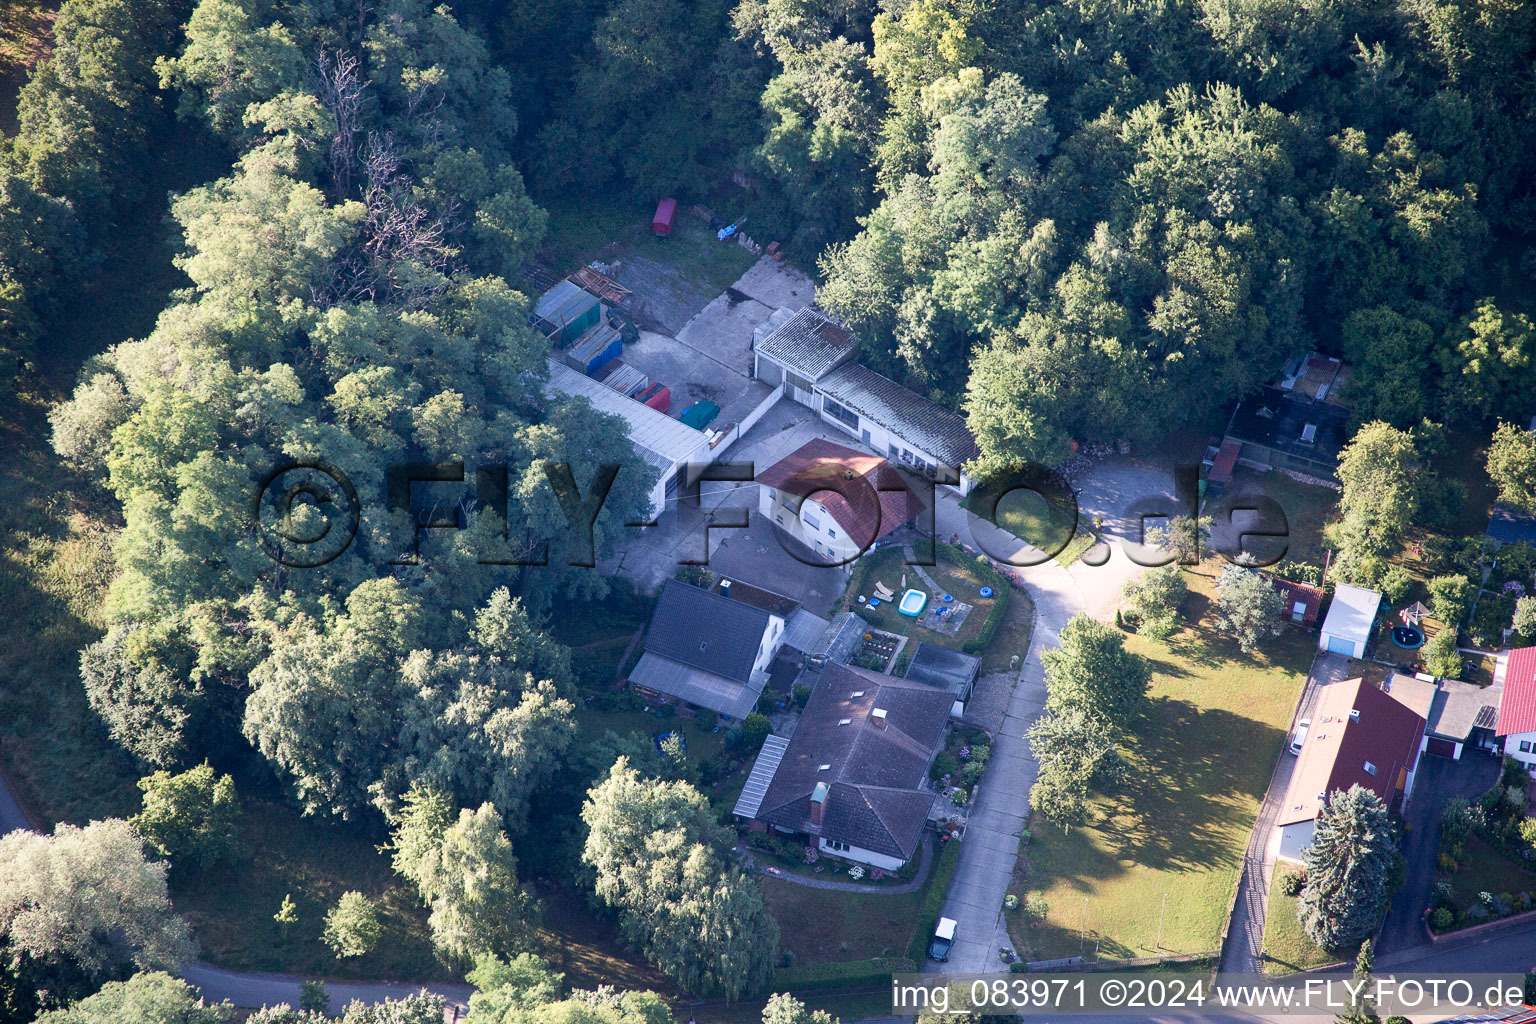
(1068, 220)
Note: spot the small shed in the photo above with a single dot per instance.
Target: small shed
(661, 223)
(594, 349)
(658, 396)
(566, 312)
(1351, 616)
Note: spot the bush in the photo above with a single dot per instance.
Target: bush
(1440, 655)
(1292, 882)
(754, 730)
(1449, 597)
(944, 764)
(1395, 583)
(314, 997)
(1397, 1019)
(1441, 918)
(802, 695)
(933, 899)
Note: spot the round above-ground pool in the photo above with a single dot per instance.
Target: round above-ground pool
(661, 738)
(1408, 636)
(912, 603)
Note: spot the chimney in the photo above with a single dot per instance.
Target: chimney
(818, 803)
(878, 715)
(725, 588)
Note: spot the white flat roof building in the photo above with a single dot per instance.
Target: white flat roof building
(668, 444)
(1351, 616)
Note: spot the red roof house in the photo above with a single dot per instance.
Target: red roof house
(1359, 735)
(1302, 601)
(828, 473)
(1517, 708)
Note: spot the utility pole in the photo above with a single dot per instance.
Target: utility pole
(1160, 917)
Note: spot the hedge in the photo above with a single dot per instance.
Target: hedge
(933, 899)
(841, 974)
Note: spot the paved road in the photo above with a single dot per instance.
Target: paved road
(990, 849)
(1242, 952)
(1438, 779)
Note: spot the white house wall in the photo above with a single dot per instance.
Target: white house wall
(862, 856)
(1512, 744)
(778, 506)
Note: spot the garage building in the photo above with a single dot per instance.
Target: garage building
(1351, 616)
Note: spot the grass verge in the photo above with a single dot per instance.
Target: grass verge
(1287, 947)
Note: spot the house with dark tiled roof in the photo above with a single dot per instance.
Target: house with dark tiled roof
(835, 500)
(704, 649)
(1359, 735)
(852, 778)
(1517, 707)
(945, 669)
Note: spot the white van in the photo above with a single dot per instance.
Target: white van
(943, 938)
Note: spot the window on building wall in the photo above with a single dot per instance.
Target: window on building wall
(840, 413)
(1525, 746)
(778, 519)
(831, 532)
(810, 520)
(772, 493)
(798, 381)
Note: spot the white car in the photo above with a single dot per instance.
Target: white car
(1300, 736)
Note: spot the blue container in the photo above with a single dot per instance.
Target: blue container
(594, 349)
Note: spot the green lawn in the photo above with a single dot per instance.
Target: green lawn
(1287, 948)
(888, 566)
(1484, 869)
(1307, 508)
(1030, 517)
(823, 925)
(1200, 760)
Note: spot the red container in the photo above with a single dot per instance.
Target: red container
(661, 224)
(658, 396)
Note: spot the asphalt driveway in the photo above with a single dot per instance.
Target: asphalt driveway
(1438, 780)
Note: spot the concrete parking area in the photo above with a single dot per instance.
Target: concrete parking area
(758, 555)
(777, 285)
(695, 376)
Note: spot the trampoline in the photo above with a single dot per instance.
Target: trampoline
(1408, 637)
(661, 737)
(912, 603)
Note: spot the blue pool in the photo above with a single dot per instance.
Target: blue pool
(912, 603)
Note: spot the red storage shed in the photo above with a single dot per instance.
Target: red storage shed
(658, 396)
(661, 224)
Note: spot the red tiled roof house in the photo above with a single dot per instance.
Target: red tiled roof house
(1517, 708)
(1359, 735)
(850, 499)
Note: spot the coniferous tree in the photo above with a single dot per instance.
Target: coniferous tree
(1348, 869)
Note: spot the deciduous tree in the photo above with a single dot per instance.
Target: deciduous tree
(1091, 671)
